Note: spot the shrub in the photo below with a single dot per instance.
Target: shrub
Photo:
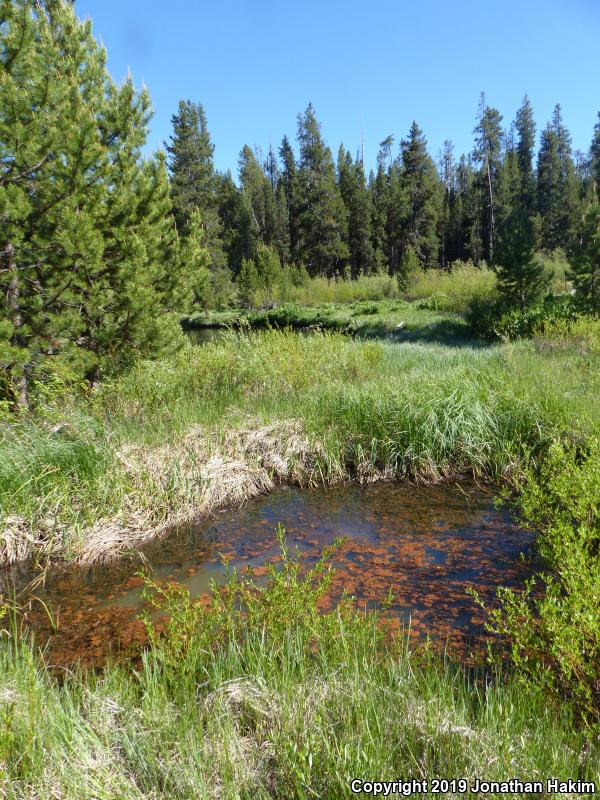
(453, 291)
(500, 320)
(554, 634)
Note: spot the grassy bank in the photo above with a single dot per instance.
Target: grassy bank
(284, 701)
(356, 409)
(278, 702)
(86, 477)
(429, 309)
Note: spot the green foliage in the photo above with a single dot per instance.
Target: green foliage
(420, 185)
(408, 267)
(88, 262)
(353, 188)
(247, 283)
(269, 701)
(499, 320)
(193, 181)
(285, 609)
(521, 277)
(195, 259)
(453, 290)
(321, 218)
(554, 633)
(585, 260)
(557, 191)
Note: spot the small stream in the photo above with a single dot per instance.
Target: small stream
(425, 544)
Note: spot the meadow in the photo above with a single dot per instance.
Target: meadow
(217, 706)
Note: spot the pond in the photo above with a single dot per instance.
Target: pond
(424, 544)
(205, 335)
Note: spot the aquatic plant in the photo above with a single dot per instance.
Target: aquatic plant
(258, 695)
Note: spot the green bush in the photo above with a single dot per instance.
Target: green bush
(500, 320)
(554, 627)
(455, 290)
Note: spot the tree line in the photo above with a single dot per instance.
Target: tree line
(502, 201)
(102, 249)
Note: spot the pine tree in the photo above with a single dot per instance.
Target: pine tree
(520, 274)
(88, 252)
(509, 185)
(239, 228)
(282, 241)
(271, 168)
(258, 193)
(447, 220)
(468, 213)
(557, 190)
(351, 179)
(291, 186)
(595, 156)
(488, 153)
(194, 185)
(525, 148)
(422, 192)
(196, 258)
(584, 259)
(321, 214)
(247, 282)
(378, 201)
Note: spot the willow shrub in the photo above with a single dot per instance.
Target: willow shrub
(553, 629)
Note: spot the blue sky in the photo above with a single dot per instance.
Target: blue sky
(255, 65)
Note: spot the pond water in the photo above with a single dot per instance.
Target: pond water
(425, 544)
(205, 335)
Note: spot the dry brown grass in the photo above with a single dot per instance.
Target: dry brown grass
(173, 484)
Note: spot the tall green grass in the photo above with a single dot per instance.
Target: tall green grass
(273, 701)
(452, 290)
(412, 410)
(315, 291)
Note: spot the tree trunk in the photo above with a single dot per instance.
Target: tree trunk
(15, 316)
(492, 220)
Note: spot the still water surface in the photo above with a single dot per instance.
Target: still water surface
(425, 544)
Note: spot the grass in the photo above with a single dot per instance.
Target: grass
(374, 306)
(279, 700)
(276, 701)
(394, 319)
(162, 441)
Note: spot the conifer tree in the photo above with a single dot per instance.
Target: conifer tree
(378, 185)
(585, 259)
(557, 192)
(488, 153)
(247, 282)
(470, 211)
(194, 185)
(239, 228)
(321, 214)
(447, 219)
(196, 258)
(258, 193)
(525, 148)
(421, 189)
(88, 256)
(520, 274)
(291, 186)
(509, 187)
(271, 168)
(282, 242)
(351, 178)
(595, 156)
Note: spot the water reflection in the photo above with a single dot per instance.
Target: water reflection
(425, 544)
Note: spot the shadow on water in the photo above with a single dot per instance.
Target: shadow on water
(451, 333)
(424, 544)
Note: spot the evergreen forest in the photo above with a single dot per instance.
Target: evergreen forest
(404, 360)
